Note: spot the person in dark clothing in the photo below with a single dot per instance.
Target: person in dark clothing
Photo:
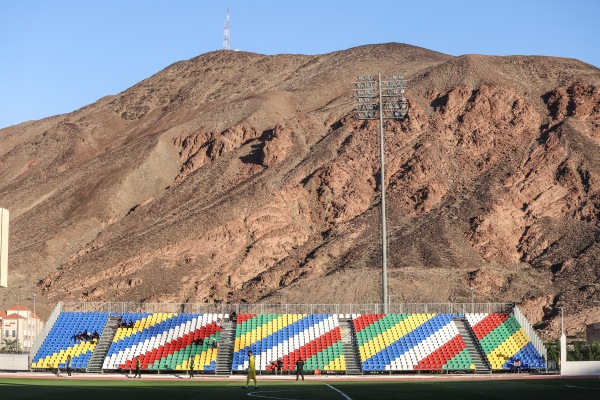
(300, 368)
(137, 368)
(68, 362)
(279, 366)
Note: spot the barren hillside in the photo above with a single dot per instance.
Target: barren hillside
(236, 176)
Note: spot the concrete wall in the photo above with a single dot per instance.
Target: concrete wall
(576, 368)
(579, 368)
(14, 362)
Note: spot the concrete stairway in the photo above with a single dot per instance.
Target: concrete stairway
(482, 365)
(226, 342)
(349, 346)
(106, 338)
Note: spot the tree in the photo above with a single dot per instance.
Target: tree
(10, 346)
(553, 349)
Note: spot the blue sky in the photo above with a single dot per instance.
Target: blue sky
(57, 56)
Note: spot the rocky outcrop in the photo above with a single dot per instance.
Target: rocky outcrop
(241, 177)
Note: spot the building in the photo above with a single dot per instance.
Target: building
(592, 332)
(18, 322)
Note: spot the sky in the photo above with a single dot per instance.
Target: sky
(59, 55)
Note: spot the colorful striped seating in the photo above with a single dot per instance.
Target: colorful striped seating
(165, 341)
(410, 342)
(504, 341)
(316, 338)
(393, 342)
(61, 342)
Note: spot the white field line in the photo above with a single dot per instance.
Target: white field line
(270, 394)
(582, 387)
(340, 392)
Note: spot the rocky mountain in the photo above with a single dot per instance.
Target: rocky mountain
(236, 176)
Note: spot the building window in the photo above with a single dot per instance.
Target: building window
(14, 333)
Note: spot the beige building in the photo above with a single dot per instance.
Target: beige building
(18, 322)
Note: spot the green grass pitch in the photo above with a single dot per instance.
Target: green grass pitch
(324, 389)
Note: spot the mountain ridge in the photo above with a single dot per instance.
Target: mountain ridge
(235, 176)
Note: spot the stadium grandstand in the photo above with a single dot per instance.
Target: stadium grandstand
(331, 339)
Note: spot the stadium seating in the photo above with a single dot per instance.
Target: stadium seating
(393, 342)
(504, 341)
(315, 338)
(410, 342)
(61, 342)
(165, 341)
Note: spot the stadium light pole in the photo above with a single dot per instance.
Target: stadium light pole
(472, 299)
(381, 99)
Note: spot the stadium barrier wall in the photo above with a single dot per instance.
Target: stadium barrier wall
(46, 330)
(14, 362)
(576, 368)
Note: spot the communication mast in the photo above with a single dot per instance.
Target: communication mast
(226, 34)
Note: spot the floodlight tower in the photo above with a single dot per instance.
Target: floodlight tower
(226, 33)
(381, 99)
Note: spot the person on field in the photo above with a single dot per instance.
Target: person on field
(251, 370)
(279, 366)
(192, 367)
(68, 365)
(137, 367)
(300, 368)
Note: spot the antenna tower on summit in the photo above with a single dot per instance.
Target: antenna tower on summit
(226, 34)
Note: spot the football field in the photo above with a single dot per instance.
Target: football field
(311, 389)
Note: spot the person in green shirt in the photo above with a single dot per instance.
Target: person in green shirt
(251, 371)
(192, 367)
